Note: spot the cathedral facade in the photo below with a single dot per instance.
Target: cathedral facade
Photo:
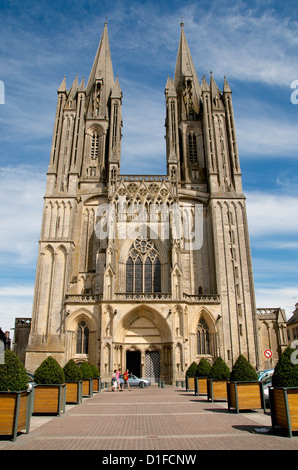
(148, 272)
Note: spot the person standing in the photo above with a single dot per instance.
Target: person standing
(114, 382)
(125, 378)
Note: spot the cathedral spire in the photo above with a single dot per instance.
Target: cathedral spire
(185, 68)
(101, 74)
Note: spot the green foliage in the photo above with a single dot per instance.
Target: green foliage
(243, 371)
(191, 371)
(286, 372)
(13, 376)
(49, 372)
(95, 371)
(72, 371)
(203, 368)
(86, 370)
(219, 370)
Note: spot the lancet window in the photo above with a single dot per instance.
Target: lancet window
(203, 337)
(192, 148)
(82, 338)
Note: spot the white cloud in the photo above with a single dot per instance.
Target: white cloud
(275, 297)
(272, 214)
(22, 189)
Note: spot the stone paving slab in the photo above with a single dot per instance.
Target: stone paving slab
(151, 419)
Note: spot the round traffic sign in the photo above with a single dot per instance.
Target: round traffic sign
(268, 353)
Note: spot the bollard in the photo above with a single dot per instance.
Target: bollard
(177, 383)
(182, 383)
(142, 385)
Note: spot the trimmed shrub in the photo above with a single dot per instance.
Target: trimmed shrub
(49, 373)
(191, 371)
(243, 371)
(285, 372)
(95, 371)
(86, 370)
(13, 375)
(219, 370)
(72, 371)
(203, 368)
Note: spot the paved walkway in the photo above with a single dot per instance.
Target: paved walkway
(152, 419)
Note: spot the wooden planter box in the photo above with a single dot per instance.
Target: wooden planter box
(201, 385)
(96, 385)
(189, 383)
(217, 389)
(87, 387)
(74, 392)
(245, 396)
(49, 399)
(284, 408)
(15, 413)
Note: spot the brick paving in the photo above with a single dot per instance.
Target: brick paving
(152, 419)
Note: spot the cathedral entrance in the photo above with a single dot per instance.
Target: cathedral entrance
(133, 362)
(144, 344)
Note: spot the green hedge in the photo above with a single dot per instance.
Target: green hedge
(72, 371)
(86, 370)
(243, 371)
(49, 373)
(13, 375)
(219, 370)
(95, 371)
(286, 372)
(203, 368)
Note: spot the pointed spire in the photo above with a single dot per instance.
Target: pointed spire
(204, 84)
(62, 88)
(102, 66)
(116, 89)
(226, 87)
(185, 72)
(184, 64)
(82, 85)
(170, 89)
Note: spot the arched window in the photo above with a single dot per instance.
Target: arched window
(143, 268)
(94, 145)
(192, 148)
(203, 337)
(82, 338)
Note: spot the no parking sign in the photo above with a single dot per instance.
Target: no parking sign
(268, 353)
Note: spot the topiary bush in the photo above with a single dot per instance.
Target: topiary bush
(243, 371)
(13, 375)
(72, 371)
(49, 373)
(285, 372)
(86, 370)
(191, 371)
(219, 370)
(203, 368)
(95, 371)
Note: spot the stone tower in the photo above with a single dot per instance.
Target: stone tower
(148, 273)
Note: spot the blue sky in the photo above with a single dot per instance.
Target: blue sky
(252, 43)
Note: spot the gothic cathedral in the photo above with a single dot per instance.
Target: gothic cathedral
(148, 273)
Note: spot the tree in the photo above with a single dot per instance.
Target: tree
(286, 371)
(13, 376)
(219, 370)
(243, 371)
(49, 372)
(72, 371)
(203, 368)
(191, 371)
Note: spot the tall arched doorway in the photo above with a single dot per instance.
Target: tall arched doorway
(145, 338)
